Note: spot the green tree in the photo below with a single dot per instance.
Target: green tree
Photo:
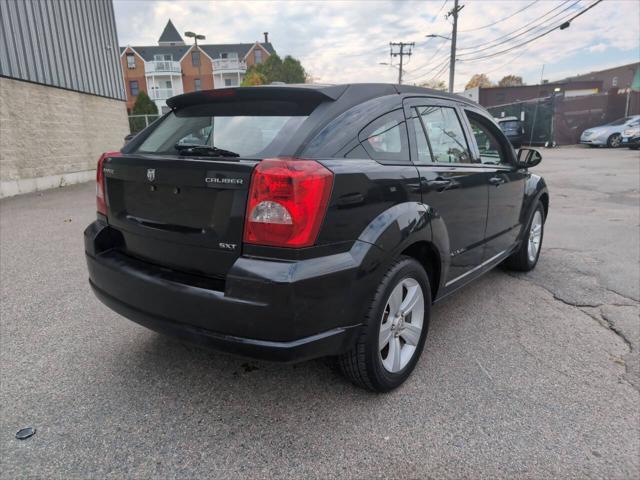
(144, 105)
(274, 69)
(478, 80)
(510, 81)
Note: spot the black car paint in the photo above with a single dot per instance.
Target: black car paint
(293, 304)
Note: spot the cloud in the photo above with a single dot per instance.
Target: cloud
(598, 47)
(345, 41)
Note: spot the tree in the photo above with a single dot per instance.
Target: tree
(144, 105)
(478, 80)
(274, 69)
(435, 85)
(510, 81)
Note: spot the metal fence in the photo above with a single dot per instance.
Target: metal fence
(140, 122)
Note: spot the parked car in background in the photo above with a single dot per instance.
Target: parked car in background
(311, 221)
(631, 136)
(513, 129)
(610, 134)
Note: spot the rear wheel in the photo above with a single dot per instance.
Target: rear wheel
(614, 140)
(396, 328)
(526, 257)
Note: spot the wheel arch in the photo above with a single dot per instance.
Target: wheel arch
(426, 253)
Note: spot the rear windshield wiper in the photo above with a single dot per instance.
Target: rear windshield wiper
(205, 150)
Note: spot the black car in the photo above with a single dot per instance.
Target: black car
(513, 129)
(293, 222)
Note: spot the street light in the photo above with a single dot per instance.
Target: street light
(196, 37)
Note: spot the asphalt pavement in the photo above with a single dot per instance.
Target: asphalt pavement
(523, 376)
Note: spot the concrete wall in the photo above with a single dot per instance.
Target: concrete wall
(50, 137)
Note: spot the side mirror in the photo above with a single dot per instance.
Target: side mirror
(528, 157)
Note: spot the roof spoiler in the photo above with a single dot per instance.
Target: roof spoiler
(304, 93)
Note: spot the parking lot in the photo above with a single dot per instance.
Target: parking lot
(523, 376)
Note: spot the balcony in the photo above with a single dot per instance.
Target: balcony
(229, 65)
(157, 67)
(163, 93)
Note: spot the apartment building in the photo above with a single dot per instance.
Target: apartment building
(172, 67)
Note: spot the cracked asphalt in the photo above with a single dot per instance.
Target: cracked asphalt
(524, 375)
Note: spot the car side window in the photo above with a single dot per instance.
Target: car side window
(444, 135)
(386, 138)
(492, 150)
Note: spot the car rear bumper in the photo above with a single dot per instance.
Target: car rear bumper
(262, 310)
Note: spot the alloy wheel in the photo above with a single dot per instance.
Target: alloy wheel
(401, 325)
(535, 236)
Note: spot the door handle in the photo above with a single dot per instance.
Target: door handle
(497, 181)
(441, 184)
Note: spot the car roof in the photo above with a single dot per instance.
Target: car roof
(352, 93)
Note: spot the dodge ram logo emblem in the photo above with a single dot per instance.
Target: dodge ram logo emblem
(151, 174)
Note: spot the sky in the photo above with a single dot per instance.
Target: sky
(346, 41)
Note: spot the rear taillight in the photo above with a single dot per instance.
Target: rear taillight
(101, 201)
(287, 202)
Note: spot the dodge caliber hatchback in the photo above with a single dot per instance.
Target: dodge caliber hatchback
(293, 222)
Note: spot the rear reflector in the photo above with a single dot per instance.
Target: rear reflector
(101, 201)
(288, 199)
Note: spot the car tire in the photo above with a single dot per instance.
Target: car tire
(634, 147)
(525, 259)
(614, 140)
(382, 366)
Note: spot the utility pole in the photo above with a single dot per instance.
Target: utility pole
(452, 60)
(401, 52)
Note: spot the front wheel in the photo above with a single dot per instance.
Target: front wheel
(614, 140)
(395, 329)
(526, 257)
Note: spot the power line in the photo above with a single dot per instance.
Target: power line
(520, 28)
(428, 62)
(538, 36)
(535, 27)
(444, 61)
(502, 19)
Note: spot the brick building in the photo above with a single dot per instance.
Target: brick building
(172, 67)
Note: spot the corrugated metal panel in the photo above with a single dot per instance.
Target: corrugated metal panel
(71, 44)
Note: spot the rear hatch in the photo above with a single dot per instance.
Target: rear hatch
(185, 214)
(178, 201)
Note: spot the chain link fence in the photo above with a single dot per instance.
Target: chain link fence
(140, 122)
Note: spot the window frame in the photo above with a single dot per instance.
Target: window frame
(362, 138)
(131, 82)
(196, 54)
(497, 132)
(131, 65)
(409, 103)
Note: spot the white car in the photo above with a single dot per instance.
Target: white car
(609, 135)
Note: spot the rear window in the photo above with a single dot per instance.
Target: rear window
(247, 135)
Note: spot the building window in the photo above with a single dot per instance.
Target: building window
(133, 88)
(228, 82)
(163, 57)
(131, 60)
(258, 55)
(224, 55)
(197, 84)
(195, 59)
